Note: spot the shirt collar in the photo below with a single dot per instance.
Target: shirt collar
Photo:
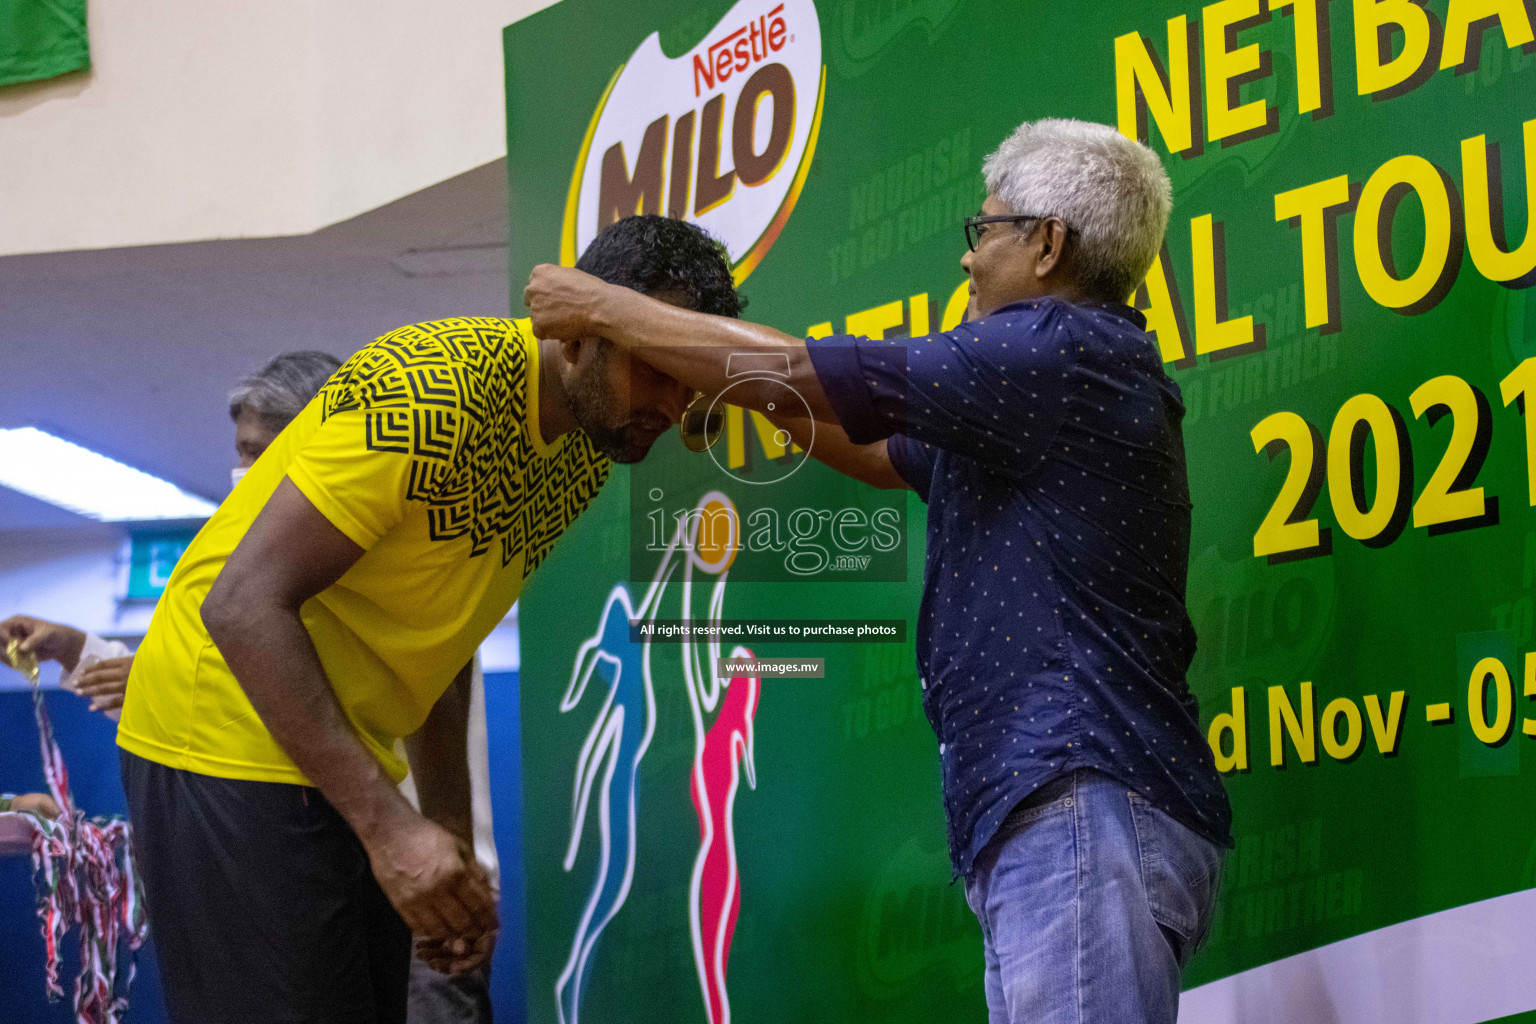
(1118, 309)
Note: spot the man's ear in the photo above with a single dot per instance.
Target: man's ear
(571, 350)
(1053, 242)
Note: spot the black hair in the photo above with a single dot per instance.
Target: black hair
(654, 254)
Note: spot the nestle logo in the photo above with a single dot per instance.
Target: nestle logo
(740, 50)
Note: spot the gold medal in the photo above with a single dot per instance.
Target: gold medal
(22, 661)
(701, 424)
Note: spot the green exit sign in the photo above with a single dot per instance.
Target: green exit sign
(152, 555)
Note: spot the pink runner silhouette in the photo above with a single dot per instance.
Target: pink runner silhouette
(726, 754)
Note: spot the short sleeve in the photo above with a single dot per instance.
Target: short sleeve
(356, 469)
(993, 390)
(852, 372)
(395, 422)
(913, 462)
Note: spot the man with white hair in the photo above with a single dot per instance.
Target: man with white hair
(260, 406)
(1084, 809)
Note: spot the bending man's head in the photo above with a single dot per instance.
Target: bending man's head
(621, 403)
(264, 402)
(1093, 206)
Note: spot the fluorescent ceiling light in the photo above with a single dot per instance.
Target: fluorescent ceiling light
(35, 462)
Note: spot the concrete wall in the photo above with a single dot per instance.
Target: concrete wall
(200, 122)
(67, 576)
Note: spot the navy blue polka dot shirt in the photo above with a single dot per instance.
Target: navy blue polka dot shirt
(1053, 634)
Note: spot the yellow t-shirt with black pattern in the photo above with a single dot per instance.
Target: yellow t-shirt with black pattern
(424, 449)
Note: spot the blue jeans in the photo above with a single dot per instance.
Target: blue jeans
(1090, 901)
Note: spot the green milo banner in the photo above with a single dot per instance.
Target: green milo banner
(1343, 298)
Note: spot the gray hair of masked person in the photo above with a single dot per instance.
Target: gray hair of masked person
(1110, 189)
(277, 392)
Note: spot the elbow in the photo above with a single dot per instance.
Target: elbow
(226, 605)
(216, 614)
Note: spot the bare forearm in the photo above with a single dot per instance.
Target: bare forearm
(274, 660)
(829, 445)
(47, 640)
(72, 642)
(695, 348)
(439, 757)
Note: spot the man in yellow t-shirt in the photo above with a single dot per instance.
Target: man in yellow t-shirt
(321, 613)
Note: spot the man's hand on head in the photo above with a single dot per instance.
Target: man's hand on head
(562, 302)
(688, 346)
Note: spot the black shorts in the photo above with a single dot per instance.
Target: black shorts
(262, 904)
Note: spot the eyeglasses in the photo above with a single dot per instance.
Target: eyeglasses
(973, 236)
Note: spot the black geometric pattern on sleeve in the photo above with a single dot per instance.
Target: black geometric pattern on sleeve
(452, 396)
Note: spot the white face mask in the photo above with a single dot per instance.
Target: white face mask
(236, 473)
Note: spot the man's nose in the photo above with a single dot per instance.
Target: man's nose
(965, 262)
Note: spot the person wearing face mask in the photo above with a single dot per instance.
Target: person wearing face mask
(266, 401)
(261, 405)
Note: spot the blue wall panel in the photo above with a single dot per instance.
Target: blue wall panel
(87, 742)
(503, 733)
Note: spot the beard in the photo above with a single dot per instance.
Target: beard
(601, 414)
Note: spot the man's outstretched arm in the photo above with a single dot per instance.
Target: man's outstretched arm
(290, 554)
(694, 348)
(828, 443)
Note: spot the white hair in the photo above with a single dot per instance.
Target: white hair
(280, 390)
(1111, 190)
